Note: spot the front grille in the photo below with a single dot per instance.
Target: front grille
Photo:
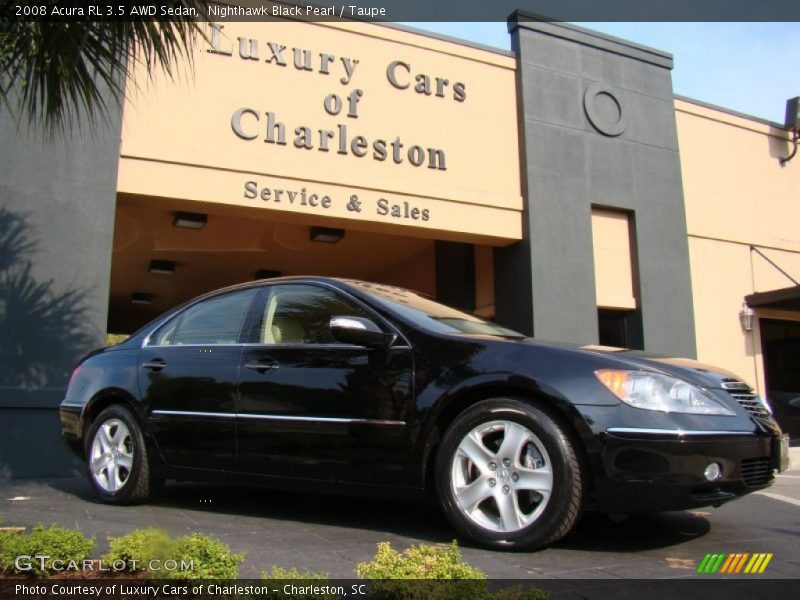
(745, 396)
(756, 471)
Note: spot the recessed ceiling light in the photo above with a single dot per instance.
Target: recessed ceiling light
(189, 220)
(162, 267)
(326, 235)
(266, 274)
(141, 298)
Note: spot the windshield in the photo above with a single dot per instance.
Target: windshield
(429, 315)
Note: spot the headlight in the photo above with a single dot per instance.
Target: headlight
(653, 391)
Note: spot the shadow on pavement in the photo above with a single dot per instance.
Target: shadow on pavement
(421, 521)
(639, 532)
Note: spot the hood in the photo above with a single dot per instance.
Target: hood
(685, 368)
(702, 374)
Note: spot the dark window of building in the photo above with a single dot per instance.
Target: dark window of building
(619, 328)
(780, 343)
(613, 327)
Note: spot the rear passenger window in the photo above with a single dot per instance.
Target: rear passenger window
(213, 321)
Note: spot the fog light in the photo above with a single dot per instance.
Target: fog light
(713, 471)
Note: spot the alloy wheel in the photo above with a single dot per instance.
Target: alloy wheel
(501, 476)
(112, 455)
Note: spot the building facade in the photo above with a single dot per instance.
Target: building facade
(561, 189)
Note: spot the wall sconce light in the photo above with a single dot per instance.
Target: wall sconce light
(141, 298)
(326, 235)
(266, 274)
(162, 267)
(189, 220)
(792, 124)
(747, 317)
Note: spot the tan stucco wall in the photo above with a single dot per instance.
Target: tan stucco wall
(178, 140)
(737, 195)
(613, 267)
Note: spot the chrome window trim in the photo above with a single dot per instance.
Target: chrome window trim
(221, 415)
(259, 286)
(675, 432)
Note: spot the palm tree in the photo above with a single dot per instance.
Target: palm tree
(52, 71)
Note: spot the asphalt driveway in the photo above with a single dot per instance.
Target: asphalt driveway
(333, 533)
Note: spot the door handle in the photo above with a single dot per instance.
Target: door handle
(262, 366)
(154, 365)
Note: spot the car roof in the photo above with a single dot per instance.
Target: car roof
(338, 281)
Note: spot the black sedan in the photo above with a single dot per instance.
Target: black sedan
(339, 384)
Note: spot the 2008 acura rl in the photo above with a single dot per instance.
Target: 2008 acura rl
(326, 381)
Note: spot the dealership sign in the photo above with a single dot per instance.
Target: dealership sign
(349, 121)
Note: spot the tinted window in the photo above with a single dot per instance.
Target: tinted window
(431, 315)
(301, 314)
(213, 321)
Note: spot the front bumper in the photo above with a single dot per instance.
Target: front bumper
(650, 470)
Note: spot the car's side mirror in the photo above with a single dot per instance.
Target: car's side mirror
(360, 331)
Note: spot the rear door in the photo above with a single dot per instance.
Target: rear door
(188, 374)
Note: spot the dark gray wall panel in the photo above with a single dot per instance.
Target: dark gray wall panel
(571, 166)
(57, 205)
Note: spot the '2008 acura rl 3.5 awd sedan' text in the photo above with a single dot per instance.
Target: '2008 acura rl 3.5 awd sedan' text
(337, 383)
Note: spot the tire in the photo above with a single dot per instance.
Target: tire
(115, 446)
(527, 501)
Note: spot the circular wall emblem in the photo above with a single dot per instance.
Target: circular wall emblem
(604, 110)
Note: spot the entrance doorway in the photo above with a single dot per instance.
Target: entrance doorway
(780, 347)
(169, 251)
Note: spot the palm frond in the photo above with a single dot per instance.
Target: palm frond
(53, 72)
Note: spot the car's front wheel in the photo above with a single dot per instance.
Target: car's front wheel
(508, 475)
(116, 458)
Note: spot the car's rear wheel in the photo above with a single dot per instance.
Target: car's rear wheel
(508, 475)
(116, 458)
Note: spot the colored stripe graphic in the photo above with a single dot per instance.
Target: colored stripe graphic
(727, 564)
(715, 567)
(765, 563)
(702, 567)
(720, 562)
(740, 564)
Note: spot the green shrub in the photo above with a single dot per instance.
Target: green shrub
(418, 562)
(419, 573)
(11, 545)
(426, 572)
(212, 559)
(56, 542)
(141, 546)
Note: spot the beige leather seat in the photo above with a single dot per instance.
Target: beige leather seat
(286, 330)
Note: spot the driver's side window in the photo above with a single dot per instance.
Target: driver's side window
(301, 314)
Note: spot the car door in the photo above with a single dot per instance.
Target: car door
(188, 374)
(311, 407)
